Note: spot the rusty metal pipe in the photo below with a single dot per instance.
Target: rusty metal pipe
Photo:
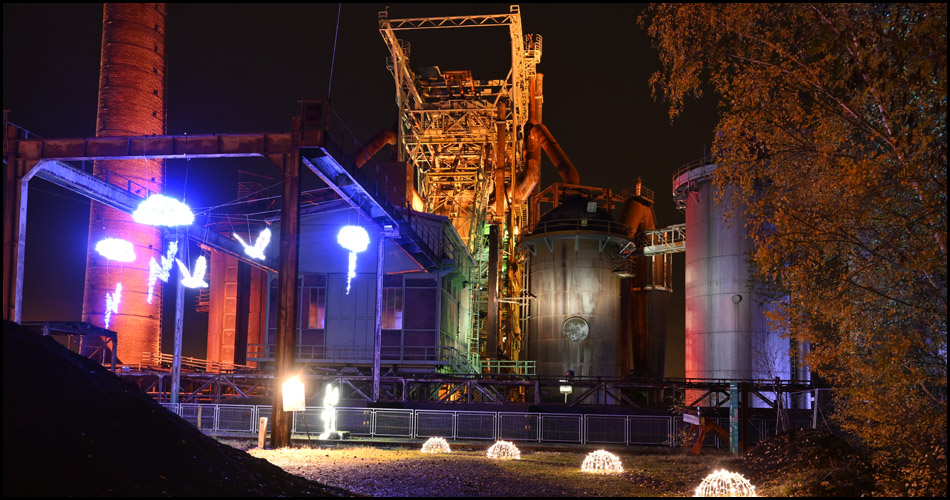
(638, 216)
(557, 155)
(382, 138)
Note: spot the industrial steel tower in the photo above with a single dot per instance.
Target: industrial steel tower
(462, 141)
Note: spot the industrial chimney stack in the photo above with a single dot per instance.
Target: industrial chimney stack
(131, 102)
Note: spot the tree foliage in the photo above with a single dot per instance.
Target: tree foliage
(833, 132)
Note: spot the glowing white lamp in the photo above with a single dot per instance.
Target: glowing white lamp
(160, 272)
(116, 249)
(602, 462)
(436, 445)
(504, 450)
(292, 390)
(160, 210)
(256, 251)
(723, 483)
(112, 302)
(330, 400)
(196, 280)
(354, 239)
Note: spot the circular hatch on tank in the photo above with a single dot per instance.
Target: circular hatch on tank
(575, 328)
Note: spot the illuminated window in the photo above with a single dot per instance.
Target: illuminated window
(392, 308)
(317, 312)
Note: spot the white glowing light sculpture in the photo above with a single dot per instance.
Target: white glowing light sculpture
(354, 239)
(436, 445)
(160, 210)
(723, 483)
(112, 302)
(160, 272)
(256, 251)
(602, 462)
(195, 280)
(330, 400)
(504, 450)
(116, 249)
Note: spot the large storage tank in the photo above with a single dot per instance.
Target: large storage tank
(131, 102)
(727, 336)
(574, 322)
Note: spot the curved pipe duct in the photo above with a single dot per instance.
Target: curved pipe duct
(382, 138)
(638, 216)
(538, 137)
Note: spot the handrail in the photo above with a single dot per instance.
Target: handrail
(592, 225)
(158, 358)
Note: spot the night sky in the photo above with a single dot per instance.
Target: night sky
(236, 68)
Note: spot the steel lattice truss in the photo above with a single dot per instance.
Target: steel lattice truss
(449, 121)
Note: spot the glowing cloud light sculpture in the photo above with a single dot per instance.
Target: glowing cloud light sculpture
(723, 483)
(112, 302)
(354, 239)
(330, 400)
(504, 450)
(116, 249)
(256, 251)
(160, 272)
(195, 280)
(436, 445)
(160, 210)
(602, 462)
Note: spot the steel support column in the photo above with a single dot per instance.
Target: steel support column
(378, 331)
(287, 293)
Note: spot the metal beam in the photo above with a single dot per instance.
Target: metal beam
(96, 189)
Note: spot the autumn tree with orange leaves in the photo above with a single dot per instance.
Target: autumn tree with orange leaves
(833, 129)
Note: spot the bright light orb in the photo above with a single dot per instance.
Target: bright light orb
(436, 445)
(504, 450)
(112, 302)
(160, 210)
(723, 483)
(354, 239)
(116, 249)
(330, 399)
(602, 462)
(196, 279)
(160, 272)
(257, 250)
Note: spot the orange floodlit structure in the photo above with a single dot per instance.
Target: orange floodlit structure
(131, 102)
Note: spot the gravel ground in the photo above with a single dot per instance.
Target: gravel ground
(407, 472)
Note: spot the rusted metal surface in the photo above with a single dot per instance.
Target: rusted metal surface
(287, 296)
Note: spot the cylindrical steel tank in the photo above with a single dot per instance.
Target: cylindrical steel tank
(131, 102)
(574, 322)
(645, 297)
(646, 303)
(727, 335)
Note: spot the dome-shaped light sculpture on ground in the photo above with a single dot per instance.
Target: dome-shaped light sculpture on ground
(504, 450)
(354, 239)
(160, 210)
(436, 445)
(723, 483)
(602, 462)
(116, 249)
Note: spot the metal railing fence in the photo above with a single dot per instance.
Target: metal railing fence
(243, 421)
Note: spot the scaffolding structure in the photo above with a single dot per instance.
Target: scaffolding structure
(462, 139)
